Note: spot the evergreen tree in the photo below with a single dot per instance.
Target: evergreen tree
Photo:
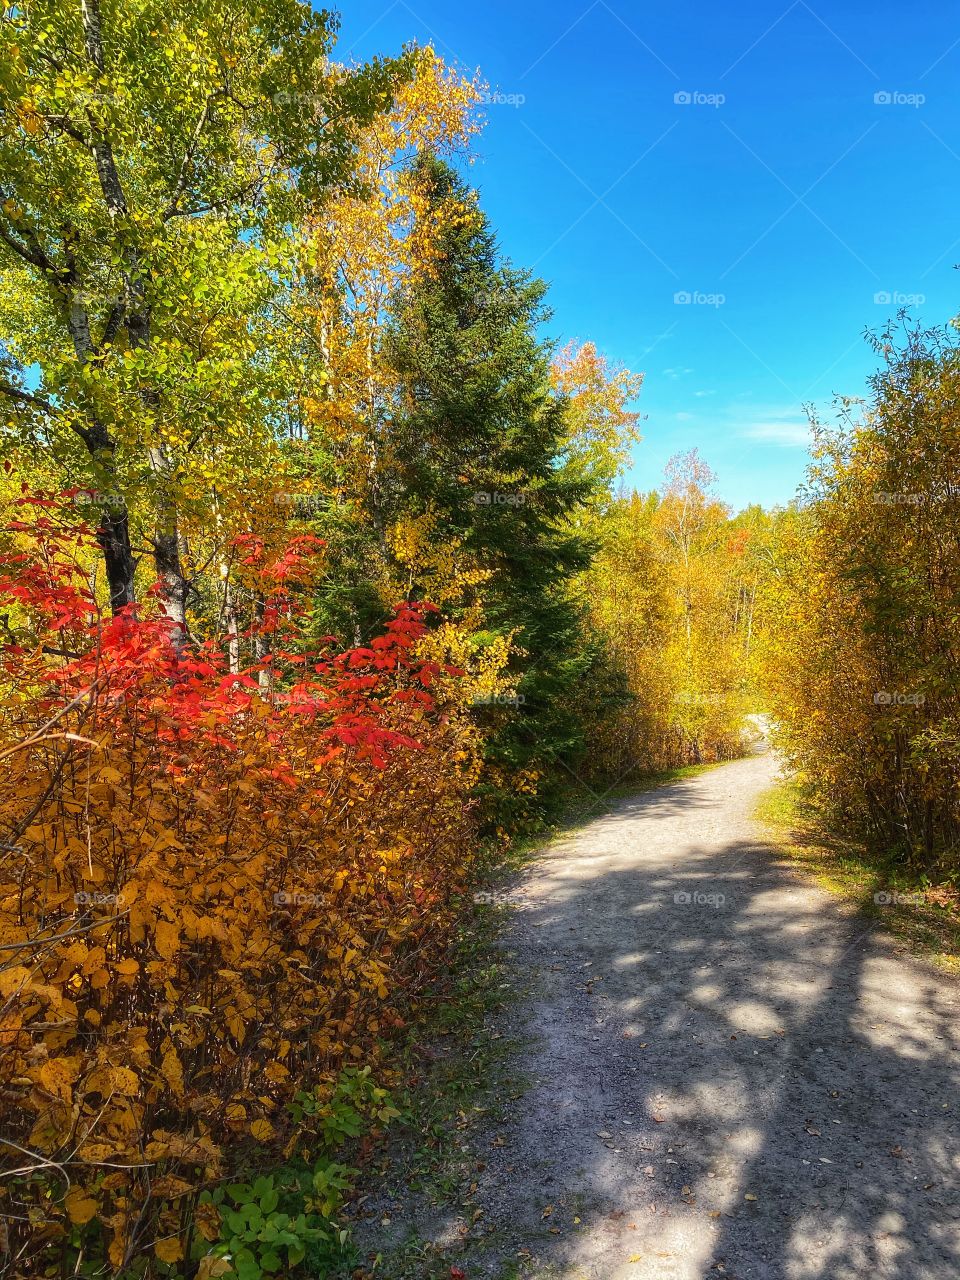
(476, 435)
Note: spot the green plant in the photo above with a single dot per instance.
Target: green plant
(262, 1232)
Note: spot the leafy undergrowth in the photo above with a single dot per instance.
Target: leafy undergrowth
(415, 1216)
(923, 915)
(221, 895)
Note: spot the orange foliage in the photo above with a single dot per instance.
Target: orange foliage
(212, 894)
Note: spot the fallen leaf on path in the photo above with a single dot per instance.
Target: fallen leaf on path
(749, 1196)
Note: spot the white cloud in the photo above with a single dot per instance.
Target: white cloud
(784, 434)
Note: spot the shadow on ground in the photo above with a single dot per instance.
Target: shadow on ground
(732, 1074)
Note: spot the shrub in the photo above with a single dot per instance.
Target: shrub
(216, 890)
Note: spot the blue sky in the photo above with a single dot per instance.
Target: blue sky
(792, 168)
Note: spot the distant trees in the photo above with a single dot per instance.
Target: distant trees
(672, 593)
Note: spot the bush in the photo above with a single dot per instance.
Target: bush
(217, 890)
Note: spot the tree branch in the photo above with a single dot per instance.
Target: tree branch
(26, 397)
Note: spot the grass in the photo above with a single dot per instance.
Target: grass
(923, 916)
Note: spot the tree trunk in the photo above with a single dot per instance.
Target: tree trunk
(113, 536)
(261, 644)
(233, 631)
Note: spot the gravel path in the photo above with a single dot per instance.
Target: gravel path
(731, 1073)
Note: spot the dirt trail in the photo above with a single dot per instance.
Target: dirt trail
(731, 1074)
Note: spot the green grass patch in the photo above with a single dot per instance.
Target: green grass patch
(926, 917)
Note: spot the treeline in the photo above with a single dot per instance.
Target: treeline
(313, 576)
(673, 593)
(862, 609)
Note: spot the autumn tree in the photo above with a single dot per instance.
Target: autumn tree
(860, 619)
(153, 159)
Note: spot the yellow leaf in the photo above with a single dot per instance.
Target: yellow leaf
(172, 1071)
(262, 1130)
(57, 1075)
(169, 1250)
(107, 1080)
(80, 1205)
(211, 1267)
(167, 939)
